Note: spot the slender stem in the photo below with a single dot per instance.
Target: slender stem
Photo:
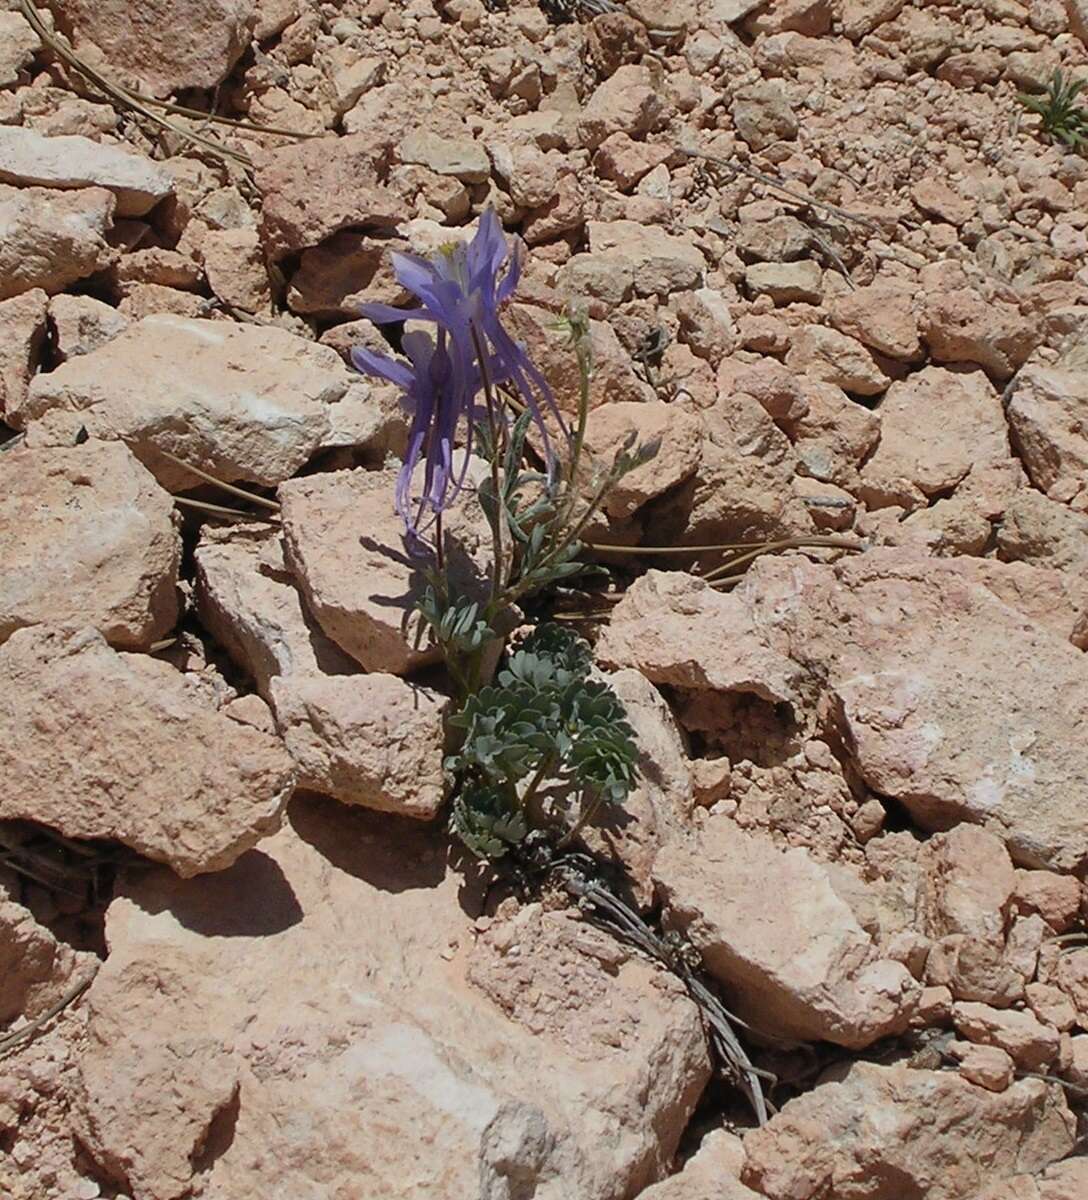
(547, 765)
(439, 546)
(219, 510)
(498, 575)
(727, 568)
(587, 814)
(227, 487)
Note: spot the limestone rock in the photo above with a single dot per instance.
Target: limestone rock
(763, 115)
(344, 542)
(243, 402)
(630, 101)
(464, 159)
(834, 357)
(710, 1174)
(345, 272)
(82, 324)
(22, 332)
(1032, 1045)
(315, 188)
(174, 45)
(961, 327)
(660, 263)
(883, 1133)
(1063, 1181)
(52, 239)
(18, 43)
(87, 537)
(98, 744)
(367, 739)
(35, 968)
(786, 283)
(1045, 410)
(880, 316)
(803, 968)
(431, 1066)
(235, 267)
(67, 163)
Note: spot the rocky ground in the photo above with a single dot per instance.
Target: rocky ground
(832, 262)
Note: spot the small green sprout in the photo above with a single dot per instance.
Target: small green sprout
(1063, 118)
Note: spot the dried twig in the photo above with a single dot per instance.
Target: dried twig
(220, 510)
(20, 1037)
(252, 497)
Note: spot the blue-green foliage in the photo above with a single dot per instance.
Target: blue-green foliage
(542, 717)
(1063, 118)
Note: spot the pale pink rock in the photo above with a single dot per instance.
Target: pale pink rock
(763, 115)
(1051, 1006)
(315, 188)
(804, 968)
(69, 163)
(1056, 898)
(780, 239)
(625, 161)
(660, 263)
(18, 44)
(531, 1048)
(463, 158)
(234, 265)
(613, 39)
(22, 333)
(706, 324)
(786, 283)
(1071, 976)
(809, 17)
(243, 402)
(935, 427)
(1063, 1181)
(1045, 410)
(883, 1133)
(833, 357)
(345, 545)
(834, 436)
(974, 970)
(710, 1174)
(988, 1066)
(630, 101)
(530, 174)
(937, 198)
(98, 744)
(35, 968)
(1077, 1070)
(881, 316)
(860, 17)
(960, 326)
(50, 239)
(337, 278)
(1077, 15)
(368, 739)
(675, 432)
(82, 324)
(87, 537)
(967, 884)
(780, 392)
(606, 275)
(1038, 530)
(1032, 1045)
(177, 44)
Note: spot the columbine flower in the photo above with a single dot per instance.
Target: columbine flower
(461, 292)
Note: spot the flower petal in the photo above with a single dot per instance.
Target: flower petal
(384, 367)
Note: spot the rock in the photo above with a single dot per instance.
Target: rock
(967, 885)
(365, 739)
(834, 435)
(777, 389)
(779, 239)
(1077, 14)
(1050, 1005)
(630, 101)
(626, 161)
(315, 188)
(1056, 898)
(49, 239)
(677, 434)
(1032, 1045)
(1045, 410)
(988, 1066)
(935, 197)
(464, 158)
(98, 744)
(828, 355)
(82, 324)
(22, 332)
(18, 44)
(884, 1133)
(35, 968)
(786, 283)
(68, 163)
(234, 265)
(710, 1174)
(87, 537)
(706, 324)
(936, 426)
(1042, 531)
(660, 263)
(337, 278)
(762, 115)
(860, 17)
(614, 39)
(176, 44)
(243, 402)
(881, 317)
(961, 327)
(345, 545)
(804, 968)
(809, 17)
(532, 1051)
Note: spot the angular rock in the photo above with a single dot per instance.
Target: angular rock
(544, 1052)
(18, 44)
(35, 968)
(1063, 1181)
(175, 45)
(243, 402)
(803, 968)
(710, 1174)
(1032, 1045)
(22, 332)
(236, 271)
(315, 188)
(630, 101)
(52, 239)
(82, 324)
(98, 744)
(1042, 531)
(967, 886)
(833, 357)
(762, 114)
(1046, 417)
(786, 283)
(68, 163)
(345, 544)
(87, 537)
(834, 436)
(464, 159)
(880, 316)
(660, 263)
(935, 427)
(337, 278)
(961, 327)
(368, 739)
(988, 1066)
(885, 1133)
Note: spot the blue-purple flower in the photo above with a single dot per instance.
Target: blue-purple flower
(460, 291)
